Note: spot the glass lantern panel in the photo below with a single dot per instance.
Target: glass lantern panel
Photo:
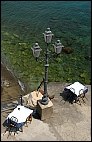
(48, 38)
(58, 49)
(36, 53)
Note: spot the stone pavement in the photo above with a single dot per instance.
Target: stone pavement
(69, 122)
(37, 130)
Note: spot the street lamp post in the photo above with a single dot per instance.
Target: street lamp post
(36, 52)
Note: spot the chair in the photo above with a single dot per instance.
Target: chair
(12, 125)
(77, 91)
(29, 119)
(82, 95)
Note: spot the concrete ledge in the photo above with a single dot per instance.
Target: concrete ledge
(44, 111)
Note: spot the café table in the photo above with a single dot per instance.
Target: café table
(78, 89)
(22, 114)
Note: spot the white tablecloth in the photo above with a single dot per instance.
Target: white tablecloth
(21, 114)
(77, 88)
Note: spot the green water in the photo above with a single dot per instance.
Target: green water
(25, 21)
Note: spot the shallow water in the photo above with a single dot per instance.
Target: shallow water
(69, 21)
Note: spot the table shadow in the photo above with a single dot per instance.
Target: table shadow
(68, 96)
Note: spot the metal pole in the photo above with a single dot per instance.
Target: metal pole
(45, 97)
(21, 100)
(46, 73)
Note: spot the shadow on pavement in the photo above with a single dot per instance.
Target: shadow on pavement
(67, 95)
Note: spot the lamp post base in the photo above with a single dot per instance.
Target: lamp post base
(44, 111)
(44, 100)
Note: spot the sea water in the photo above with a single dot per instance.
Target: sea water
(70, 21)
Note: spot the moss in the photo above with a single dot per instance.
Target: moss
(65, 67)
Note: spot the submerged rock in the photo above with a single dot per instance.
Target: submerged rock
(67, 50)
(88, 58)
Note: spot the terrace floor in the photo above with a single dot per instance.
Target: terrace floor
(69, 122)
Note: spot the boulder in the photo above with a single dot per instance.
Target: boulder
(67, 50)
(32, 98)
